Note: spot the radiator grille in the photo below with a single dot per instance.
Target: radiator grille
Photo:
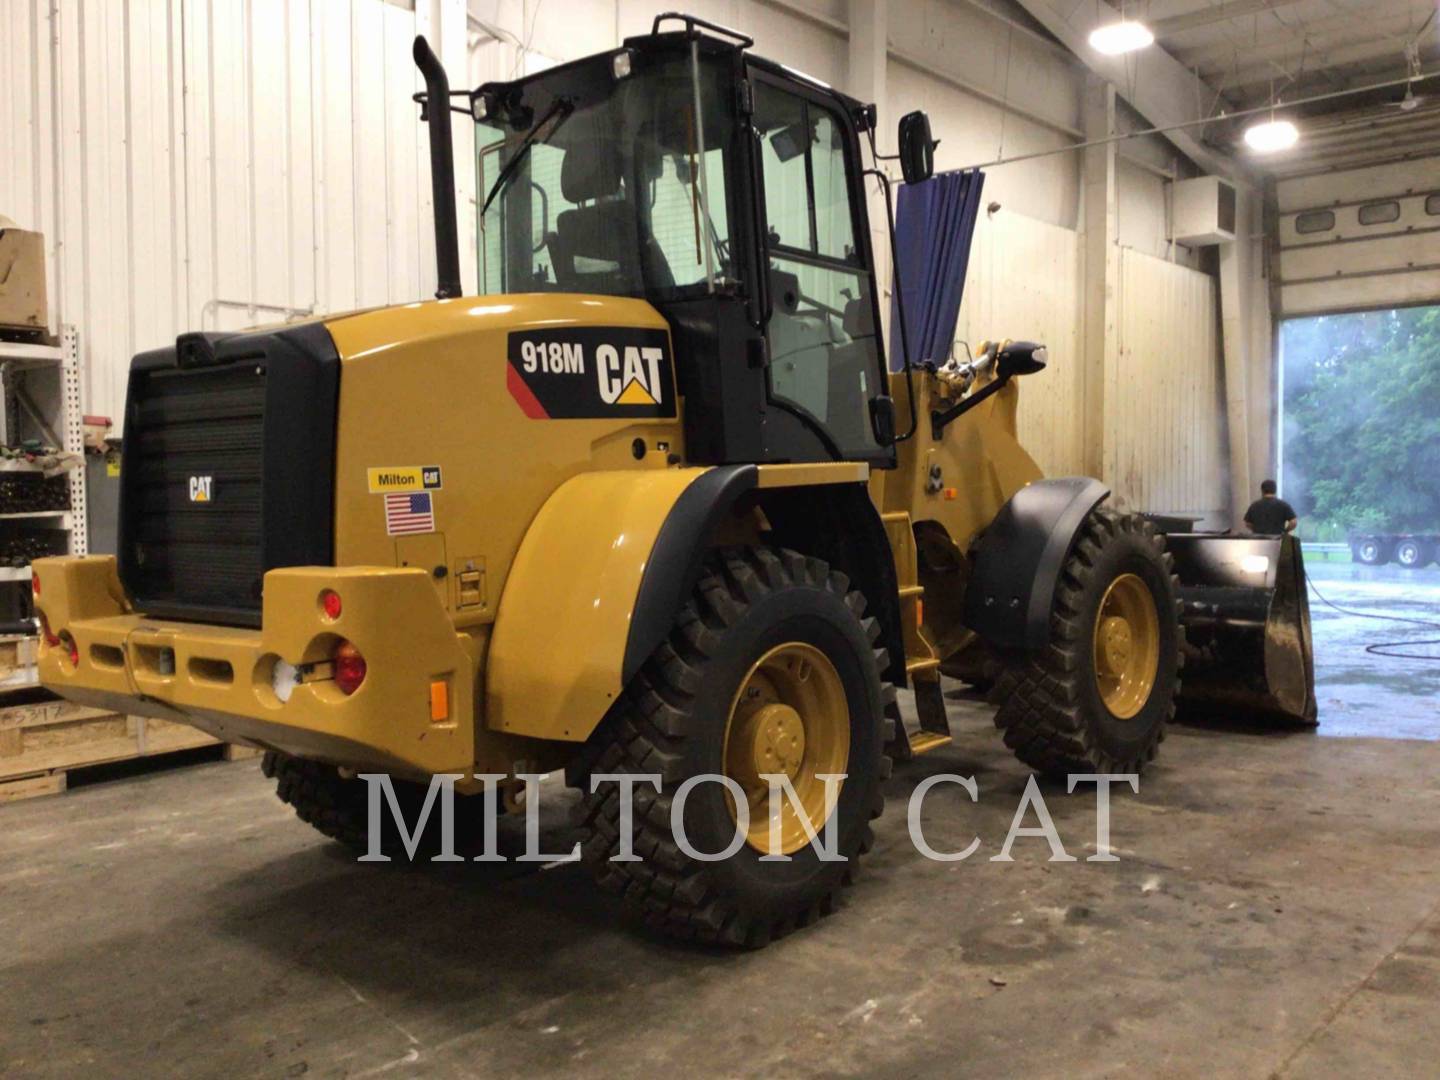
(194, 486)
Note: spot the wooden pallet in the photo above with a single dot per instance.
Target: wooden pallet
(17, 663)
(40, 743)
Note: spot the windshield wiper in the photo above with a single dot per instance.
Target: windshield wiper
(562, 109)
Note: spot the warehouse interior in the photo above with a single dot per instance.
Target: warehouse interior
(1146, 257)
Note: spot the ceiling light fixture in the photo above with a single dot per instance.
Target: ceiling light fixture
(1121, 37)
(1271, 136)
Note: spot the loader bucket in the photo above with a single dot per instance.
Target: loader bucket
(1246, 614)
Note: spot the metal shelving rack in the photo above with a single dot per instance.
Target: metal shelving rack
(17, 362)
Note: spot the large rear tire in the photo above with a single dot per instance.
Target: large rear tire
(771, 666)
(337, 805)
(1098, 697)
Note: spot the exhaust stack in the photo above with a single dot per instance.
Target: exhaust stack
(435, 108)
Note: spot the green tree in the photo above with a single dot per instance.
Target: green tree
(1362, 419)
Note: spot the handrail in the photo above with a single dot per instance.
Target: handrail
(692, 21)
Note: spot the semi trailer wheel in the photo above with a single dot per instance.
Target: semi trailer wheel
(1097, 698)
(771, 667)
(1370, 551)
(1412, 554)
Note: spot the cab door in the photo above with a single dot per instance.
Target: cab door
(825, 359)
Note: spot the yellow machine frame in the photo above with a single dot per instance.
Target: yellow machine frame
(514, 613)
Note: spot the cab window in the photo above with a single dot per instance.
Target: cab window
(824, 351)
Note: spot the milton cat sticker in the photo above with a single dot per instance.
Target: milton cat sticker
(590, 372)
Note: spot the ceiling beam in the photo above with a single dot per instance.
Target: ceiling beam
(1418, 122)
(1297, 169)
(1153, 82)
(1337, 69)
(1285, 45)
(1209, 16)
(1371, 119)
(1381, 147)
(1010, 24)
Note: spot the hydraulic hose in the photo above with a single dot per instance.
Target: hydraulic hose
(1385, 648)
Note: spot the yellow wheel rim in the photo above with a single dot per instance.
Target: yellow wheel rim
(1127, 646)
(789, 717)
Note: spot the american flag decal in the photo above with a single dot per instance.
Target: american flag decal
(409, 513)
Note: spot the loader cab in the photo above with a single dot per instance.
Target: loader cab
(727, 191)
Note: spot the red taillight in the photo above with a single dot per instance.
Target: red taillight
(35, 584)
(47, 633)
(349, 667)
(330, 604)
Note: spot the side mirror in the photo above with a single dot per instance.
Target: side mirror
(917, 149)
(1021, 358)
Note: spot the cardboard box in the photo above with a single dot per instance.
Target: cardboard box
(23, 303)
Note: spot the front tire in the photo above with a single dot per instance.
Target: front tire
(771, 667)
(1098, 697)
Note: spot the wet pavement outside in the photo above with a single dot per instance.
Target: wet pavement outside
(1359, 693)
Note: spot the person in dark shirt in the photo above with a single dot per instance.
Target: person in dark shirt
(1270, 515)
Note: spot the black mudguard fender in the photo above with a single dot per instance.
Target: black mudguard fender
(1018, 559)
(678, 557)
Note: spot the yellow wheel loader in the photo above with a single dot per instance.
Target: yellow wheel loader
(642, 507)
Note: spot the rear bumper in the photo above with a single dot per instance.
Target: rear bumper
(221, 677)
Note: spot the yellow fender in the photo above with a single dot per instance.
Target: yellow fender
(571, 627)
(599, 578)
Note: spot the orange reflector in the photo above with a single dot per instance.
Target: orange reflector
(439, 700)
(919, 612)
(952, 493)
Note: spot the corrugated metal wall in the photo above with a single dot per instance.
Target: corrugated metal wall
(205, 163)
(1165, 420)
(194, 161)
(1024, 282)
(1165, 429)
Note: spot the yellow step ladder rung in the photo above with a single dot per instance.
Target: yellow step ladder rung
(908, 591)
(921, 663)
(922, 742)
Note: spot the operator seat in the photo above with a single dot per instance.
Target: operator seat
(595, 246)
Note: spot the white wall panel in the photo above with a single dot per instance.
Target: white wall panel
(1166, 432)
(1166, 435)
(948, 36)
(209, 164)
(1024, 283)
(1141, 219)
(971, 130)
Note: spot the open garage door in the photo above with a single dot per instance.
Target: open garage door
(1361, 239)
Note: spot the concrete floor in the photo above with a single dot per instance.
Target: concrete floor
(1276, 911)
(1362, 694)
